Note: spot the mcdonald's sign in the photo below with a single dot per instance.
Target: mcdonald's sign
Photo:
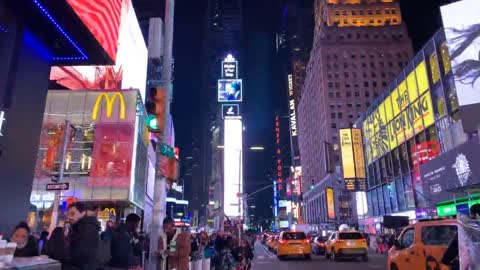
(110, 100)
(111, 211)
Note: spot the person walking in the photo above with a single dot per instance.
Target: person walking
(83, 238)
(126, 246)
(56, 247)
(248, 254)
(26, 243)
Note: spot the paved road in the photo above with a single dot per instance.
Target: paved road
(265, 260)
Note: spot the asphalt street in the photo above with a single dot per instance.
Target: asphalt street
(265, 260)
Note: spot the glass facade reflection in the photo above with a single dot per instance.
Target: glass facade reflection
(414, 121)
(106, 148)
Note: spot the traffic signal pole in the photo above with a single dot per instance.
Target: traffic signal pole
(159, 197)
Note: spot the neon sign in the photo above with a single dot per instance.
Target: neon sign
(2, 120)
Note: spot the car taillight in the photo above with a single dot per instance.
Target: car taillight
(307, 241)
(321, 244)
(282, 241)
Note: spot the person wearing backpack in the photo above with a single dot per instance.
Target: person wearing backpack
(126, 247)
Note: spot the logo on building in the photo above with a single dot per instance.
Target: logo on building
(462, 168)
(110, 101)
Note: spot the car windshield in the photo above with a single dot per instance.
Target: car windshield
(350, 236)
(294, 236)
(322, 239)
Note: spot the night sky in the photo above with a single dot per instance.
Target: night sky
(261, 77)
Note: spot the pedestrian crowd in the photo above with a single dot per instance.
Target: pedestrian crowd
(80, 245)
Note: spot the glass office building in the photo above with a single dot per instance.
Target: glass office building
(415, 120)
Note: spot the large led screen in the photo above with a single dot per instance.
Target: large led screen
(131, 57)
(461, 21)
(230, 90)
(233, 175)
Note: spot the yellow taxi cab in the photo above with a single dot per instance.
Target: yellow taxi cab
(272, 243)
(293, 243)
(346, 244)
(422, 245)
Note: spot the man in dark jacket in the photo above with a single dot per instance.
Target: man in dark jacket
(83, 238)
(450, 257)
(126, 246)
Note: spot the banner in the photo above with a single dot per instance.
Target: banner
(330, 203)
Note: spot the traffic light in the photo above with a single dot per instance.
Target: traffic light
(313, 184)
(155, 105)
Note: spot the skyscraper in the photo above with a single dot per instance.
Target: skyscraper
(222, 36)
(358, 48)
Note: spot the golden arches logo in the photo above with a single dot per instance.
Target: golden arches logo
(110, 210)
(110, 102)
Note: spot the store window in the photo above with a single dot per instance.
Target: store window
(396, 162)
(375, 202)
(404, 159)
(450, 94)
(386, 197)
(438, 100)
(381, 202)
(409, 196)
(402, 206)
(369, 203)
(393, 196)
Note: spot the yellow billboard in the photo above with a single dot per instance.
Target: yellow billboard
(330, 203)
(348, 162)
(405, 112)
(358, 153)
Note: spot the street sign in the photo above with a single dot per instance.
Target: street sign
(58, 186)
(167, 150)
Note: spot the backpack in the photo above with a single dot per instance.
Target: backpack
(104, 253)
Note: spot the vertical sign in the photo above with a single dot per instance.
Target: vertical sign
(348, 162)
(330, 203)
(358, 153)
(279, 163)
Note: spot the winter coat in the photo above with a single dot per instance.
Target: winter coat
(84, 239)
(125, 248)
(180, 259)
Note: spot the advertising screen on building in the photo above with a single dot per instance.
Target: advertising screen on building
(230, 111)
(131, 57)
(453, 170)
(230, 90)
(353, 162)
(233, 175)
(330, 203)
(102, 17)
(405, 112)
(229, 69)
(461, 21)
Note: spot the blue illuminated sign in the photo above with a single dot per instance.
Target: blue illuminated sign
(275, 199)
(82, 56)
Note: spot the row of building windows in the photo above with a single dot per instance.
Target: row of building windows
(335, 65)
(346, 75)
(349, 94)
(349, 105)
(354, 12)
(373, 84)
(388, 55)
(339, 115)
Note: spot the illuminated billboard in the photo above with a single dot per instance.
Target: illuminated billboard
(229, 69)
(407, 111)
(230, 111)
(353, 162)
(330, 203)
(102, 18)
(233, 175)
(131, 58)
(461, 21)
(230, 90)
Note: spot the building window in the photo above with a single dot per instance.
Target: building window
(364, 65)
(346, 74)
(372, 65)
(334, 125)
(349, 94)
(375, 94)
(340, 115)
(367, 94)
(350, 115)
(330, 94)
(330, 85)
(357, 94)
(367, 104)
(345, 65)
(332, 105)
(332, 115)
(337, 12)
(374, 75)
(349, 105)
(337, 85)
(365, 84)
(359, 105)
(374, 84)
(337, 94)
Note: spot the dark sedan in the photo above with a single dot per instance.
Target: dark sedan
(318, 245)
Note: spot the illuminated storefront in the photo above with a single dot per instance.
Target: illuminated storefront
(413, 122)
(106, 158)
